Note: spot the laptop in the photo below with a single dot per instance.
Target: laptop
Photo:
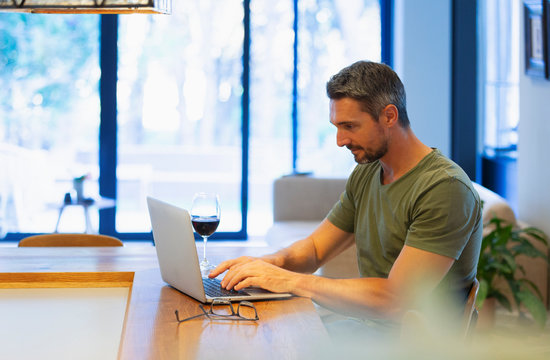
(179, 262)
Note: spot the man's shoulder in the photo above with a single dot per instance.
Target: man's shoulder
(443, 172)
(443, 168)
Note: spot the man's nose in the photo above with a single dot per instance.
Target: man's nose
(341, 139)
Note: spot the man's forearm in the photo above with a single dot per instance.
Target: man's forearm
(307, 255)
(414, 274)
(299, 257)
(362, 297)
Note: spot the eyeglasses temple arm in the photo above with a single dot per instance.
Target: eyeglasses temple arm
(190, 318)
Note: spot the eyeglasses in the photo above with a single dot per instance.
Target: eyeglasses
(221, 309)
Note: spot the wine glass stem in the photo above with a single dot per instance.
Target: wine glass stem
(204, 240)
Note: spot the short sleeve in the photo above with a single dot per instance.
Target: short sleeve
(444, 218)
(342, 214)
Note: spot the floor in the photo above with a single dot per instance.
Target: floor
(515, 336)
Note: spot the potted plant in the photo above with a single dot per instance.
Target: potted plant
(499, 251)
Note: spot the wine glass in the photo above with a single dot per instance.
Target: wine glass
(205, 217)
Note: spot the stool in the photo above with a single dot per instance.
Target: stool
(101, 203)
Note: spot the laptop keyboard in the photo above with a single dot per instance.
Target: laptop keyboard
(213, 288)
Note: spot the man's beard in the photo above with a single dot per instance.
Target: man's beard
(367, 157)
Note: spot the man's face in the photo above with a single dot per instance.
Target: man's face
(358, 131)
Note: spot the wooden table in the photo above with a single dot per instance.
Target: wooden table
(287, 329)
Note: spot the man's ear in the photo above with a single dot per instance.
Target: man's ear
(390, 115)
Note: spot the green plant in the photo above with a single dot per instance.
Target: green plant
(499, 251)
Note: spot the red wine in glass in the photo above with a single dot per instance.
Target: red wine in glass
(205, 217)
(205, 226)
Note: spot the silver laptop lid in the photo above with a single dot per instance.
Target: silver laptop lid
(175, 246)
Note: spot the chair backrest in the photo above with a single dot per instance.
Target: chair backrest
(470, 311)
(47, 240)
(305, 198)
(415, 325)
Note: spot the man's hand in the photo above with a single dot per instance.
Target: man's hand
(248, 271)
(225, 265)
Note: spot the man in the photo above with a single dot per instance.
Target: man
(412, 213)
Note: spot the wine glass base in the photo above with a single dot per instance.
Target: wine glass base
(206, 267)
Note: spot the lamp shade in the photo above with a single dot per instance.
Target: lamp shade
(87, 6)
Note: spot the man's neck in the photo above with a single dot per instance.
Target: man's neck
(404, 153)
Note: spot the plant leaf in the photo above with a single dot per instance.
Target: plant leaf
(482, 293)
(536, 234)
(534, 305)
(487, 240)
(528, 249)
(504, 234)
(501, 268)
(514, 287)
(532, 285)
(509, 258)
(503, 300)
(522, 269)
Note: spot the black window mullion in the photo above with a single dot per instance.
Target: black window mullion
(108, 119)
(464, 150)
(386, 22)
(245, 119)
(295, 90)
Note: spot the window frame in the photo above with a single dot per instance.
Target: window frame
(108, 144)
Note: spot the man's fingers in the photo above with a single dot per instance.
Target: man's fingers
(220, 268)
(228, 264)
(242, 271)
(238, 273)
(249, 281)
(231, 278)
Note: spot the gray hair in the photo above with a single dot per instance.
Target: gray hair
(374, 85)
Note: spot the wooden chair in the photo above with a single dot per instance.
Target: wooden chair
(415, 325)
(470, 310)
(50, 240)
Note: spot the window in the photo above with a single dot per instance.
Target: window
(500, 76)
(217, 96)
(49, 117)
(179, 110)
(331, 35)
(327, 41)
(271, 73)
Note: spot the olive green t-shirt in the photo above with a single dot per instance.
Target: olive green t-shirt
(433, 207)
